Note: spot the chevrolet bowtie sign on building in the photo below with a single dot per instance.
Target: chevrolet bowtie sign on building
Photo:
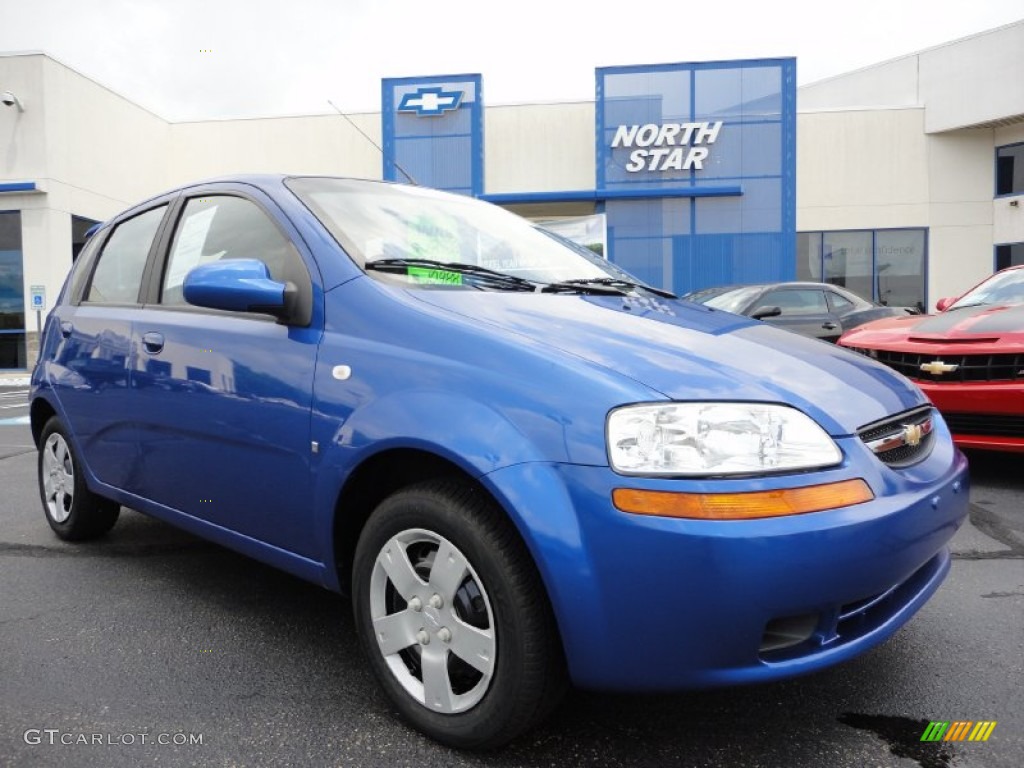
(430, 101)
(433, 130)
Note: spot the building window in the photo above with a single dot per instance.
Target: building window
(79, 226)
(1009, 255)
(884, 265)
(1010, 169)
(12, 293)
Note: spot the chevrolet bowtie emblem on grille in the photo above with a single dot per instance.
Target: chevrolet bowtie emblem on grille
(937, 367)
(912, 434)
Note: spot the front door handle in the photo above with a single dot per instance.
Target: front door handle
(153, 342)
(828, 325)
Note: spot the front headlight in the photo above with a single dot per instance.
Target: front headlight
(716, 439)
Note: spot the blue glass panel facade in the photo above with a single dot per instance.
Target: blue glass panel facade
(694, 128)
(12, 293)
(433, 131)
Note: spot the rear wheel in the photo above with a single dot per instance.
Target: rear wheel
(453, 615)
(73, 511)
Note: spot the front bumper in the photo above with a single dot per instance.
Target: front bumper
(647, 603)
(981, 415)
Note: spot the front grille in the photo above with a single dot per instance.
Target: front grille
(985, 424)
(903, 439)
(969, 368)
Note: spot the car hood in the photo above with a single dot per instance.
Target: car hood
(1000, 324)
(690, 352)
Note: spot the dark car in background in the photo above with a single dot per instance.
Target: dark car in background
(818, 310)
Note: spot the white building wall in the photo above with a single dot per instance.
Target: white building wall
(539, 148)
(974, 80)
(962, 83)
(961, 182)
(111, 151)
(319, 144)
(23, 139)
(861, 170)
(889, 84)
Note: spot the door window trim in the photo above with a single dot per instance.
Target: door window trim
(103, 239)
(154, 277)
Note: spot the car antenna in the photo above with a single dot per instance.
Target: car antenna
(375, 144)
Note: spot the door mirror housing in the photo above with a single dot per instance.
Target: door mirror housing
(943, 304)
(239, 285)
(762, 312)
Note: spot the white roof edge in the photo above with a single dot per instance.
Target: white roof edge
(90, 78)
(912, 55)
(859, 108)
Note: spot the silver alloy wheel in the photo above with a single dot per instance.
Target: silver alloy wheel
(418, 641)
(58, 477)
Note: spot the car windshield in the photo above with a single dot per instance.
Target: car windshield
(1001, 288)
(733, 301)
(381, 224)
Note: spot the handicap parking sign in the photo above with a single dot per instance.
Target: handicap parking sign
(38, 297)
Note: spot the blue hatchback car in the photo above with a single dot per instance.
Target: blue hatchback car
(526, 467)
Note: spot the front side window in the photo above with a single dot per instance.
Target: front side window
(1010, 170)
(118, 273)
(795, 302)
(219, 227)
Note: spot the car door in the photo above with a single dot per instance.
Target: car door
(225, 397)
(803, 310)
(92, 363)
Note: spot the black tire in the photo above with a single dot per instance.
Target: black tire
(528, 670)
(73, 511)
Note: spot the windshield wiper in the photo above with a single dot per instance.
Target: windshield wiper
(616, 283)
(398, 265)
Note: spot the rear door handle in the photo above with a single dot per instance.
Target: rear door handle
(828, 325)
(153, 342)
(66, 329)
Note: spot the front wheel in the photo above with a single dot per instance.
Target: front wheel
(452, 613)
(73, 511)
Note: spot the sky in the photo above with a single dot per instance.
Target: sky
(206, 59)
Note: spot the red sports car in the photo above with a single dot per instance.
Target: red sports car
(968, 359)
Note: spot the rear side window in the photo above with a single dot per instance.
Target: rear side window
(222, 227)
(839, 303)
(118, 275)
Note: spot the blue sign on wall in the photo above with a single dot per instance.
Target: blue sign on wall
(697, 166)
(433, 131)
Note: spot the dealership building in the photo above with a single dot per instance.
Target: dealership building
(901, 181)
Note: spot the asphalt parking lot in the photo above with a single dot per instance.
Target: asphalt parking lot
(151, 635)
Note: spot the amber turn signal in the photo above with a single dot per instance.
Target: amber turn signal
(743, 506)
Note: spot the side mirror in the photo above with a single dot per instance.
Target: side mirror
(943, 304)
(237, 285)
(762, 312)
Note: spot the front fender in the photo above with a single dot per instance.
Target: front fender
(538, 500)
(473, 436)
